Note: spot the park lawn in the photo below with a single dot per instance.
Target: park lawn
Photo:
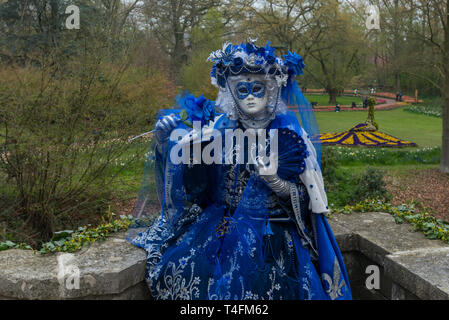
(323, 100)
(130, 170)
(404, 181)
(425, 131)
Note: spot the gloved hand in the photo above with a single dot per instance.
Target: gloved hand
(163, 127)
(279, 186)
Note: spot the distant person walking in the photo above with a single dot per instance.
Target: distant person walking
(365, 102)
(355, 91)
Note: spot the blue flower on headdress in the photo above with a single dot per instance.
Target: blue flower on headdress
(295, 63)
(198, 109)
(208, 111)
(225, 55)
(248, 57)
(270, 59)
(238, 62)
(213, 72)
(250, 48)
(269, 49)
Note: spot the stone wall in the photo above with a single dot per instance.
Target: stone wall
(113, 269)
(411, 267)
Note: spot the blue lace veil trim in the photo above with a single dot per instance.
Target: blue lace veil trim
(293, 97)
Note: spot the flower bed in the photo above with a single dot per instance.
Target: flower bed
(358, 136)
(314, 90)
(431, 111)
(382, 156)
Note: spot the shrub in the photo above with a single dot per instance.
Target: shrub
(345, 187)
(329, 164)
(62, 130)
(338, 181)
(370, 184)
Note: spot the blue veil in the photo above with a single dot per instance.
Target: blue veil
(293, 97)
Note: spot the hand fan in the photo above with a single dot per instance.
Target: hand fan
(292, 151)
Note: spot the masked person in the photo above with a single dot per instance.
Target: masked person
(238, 229)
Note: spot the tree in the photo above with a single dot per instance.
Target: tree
(31, 29)
(285, 22)
(172, 22)
(339, 51)
(395, 32)
(69, 101)
(206, 37)
(321, 31)
(433, 31)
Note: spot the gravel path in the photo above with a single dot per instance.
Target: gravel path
(388, 105)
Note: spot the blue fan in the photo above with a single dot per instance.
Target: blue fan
(292, 151)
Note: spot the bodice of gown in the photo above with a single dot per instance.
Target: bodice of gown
(234, 183)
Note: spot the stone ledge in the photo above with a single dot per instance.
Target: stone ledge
(411, 266)
(106, 269)
(414, 266)
(424, 272)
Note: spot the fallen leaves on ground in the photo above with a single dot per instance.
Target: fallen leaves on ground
(430, 187)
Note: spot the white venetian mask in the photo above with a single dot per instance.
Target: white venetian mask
(250, 92)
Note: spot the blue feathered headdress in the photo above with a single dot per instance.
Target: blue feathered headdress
(233, 60)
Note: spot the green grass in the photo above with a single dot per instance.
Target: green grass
(323, 100)
(423, 130)
(130, 170)
(394, 162)
(398, 170)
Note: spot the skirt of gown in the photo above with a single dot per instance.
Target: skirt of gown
(206, 256)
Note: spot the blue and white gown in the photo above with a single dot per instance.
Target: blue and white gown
(224, 234)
